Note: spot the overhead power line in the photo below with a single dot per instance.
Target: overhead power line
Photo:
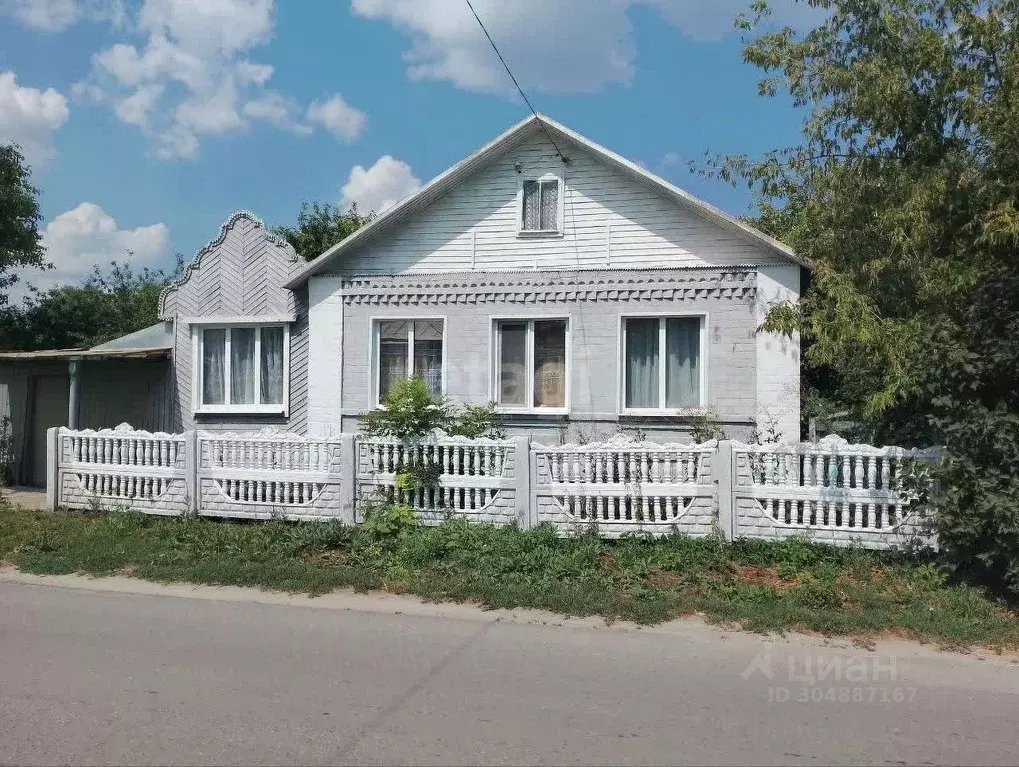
(514, 79)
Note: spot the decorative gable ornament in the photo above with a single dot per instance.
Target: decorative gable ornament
(253, 263)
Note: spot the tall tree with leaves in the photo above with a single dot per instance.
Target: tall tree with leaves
(904, 193)
(107, 305)
(320, 226)
(20, 240)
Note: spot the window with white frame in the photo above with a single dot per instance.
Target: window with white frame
(540, 206)
(405, 348)
(242, 368)
(531, 363)
(661, 362)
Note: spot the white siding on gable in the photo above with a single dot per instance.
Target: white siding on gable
(610, 220)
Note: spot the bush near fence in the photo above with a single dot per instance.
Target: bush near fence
(832, 491)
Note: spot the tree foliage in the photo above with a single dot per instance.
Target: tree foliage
(106, 306)
(20, 240)
(904, 193)
(320, 226)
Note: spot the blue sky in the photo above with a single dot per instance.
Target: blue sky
(149, 121)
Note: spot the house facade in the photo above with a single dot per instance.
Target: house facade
(575, 290)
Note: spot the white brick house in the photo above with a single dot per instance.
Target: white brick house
(544, 273)
(577, 291)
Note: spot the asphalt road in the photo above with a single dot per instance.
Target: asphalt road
(91, 677)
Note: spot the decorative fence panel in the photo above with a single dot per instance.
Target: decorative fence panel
(621, 486)
(120, 467)
(832, 492)
(474, 478)
(271, 474)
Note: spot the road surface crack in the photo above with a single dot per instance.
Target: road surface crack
(376, 722)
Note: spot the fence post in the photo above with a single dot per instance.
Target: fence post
(522, 481)
(348, 477)
(191, 470)
(723, 469)
(52, 467)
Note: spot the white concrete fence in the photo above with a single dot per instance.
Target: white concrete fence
(831, 491)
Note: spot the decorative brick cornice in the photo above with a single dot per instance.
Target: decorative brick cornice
(735, 284)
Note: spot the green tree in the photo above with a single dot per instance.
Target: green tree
(904, 193)
(320, 226)
(107, 305)
(19, 218)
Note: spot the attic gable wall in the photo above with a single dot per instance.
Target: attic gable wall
(239, 273)
(610, 221)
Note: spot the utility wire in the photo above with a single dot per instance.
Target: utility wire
(514, 79)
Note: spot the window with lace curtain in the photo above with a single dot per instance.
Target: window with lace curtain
(406, 348)
(531, 364)
(241, 369)
(541, 206)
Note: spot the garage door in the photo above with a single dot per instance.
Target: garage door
(49, 408)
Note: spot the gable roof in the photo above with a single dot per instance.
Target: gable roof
(446, 181)
(196, 263)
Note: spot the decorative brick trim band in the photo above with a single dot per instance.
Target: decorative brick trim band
(538, 288)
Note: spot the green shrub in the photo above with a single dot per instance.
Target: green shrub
(409, 410)
(475, 421)
(387, 521)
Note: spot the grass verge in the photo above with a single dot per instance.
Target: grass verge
(792, 585)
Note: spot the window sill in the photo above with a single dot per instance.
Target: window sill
(532, 411)
(241, 410)
(537, 234)
(379, 406)
(680, 412)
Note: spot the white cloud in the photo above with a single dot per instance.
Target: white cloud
(177, 142)
(553, 47)
(222, 27)
(570, 45)
(338, 117)
(136, 108)
(256, 74)
(160, 60)
(85, 236)
(190, 74)
(46, 15)
(279, 110)
(379, 187)
(57, 15)
(213, 113)
(30, 117)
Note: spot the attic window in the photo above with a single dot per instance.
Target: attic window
(541, 206)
